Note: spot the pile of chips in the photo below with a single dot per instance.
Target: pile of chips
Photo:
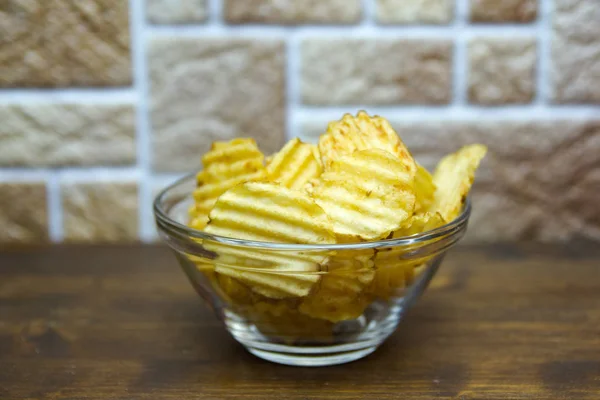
(359, 184)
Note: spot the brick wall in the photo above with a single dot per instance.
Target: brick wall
(102, 102)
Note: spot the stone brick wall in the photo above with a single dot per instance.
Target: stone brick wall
(103, 101)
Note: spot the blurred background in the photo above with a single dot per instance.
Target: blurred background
(104, 102)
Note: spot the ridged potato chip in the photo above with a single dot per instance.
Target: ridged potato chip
(295, 164)
(262, 211)
(367, 195)
(388, 280)
(267, 281)
(340, 294)
(420, 223)
(453, 178)
(198, 217)
(280, 319)
(231, 290)
(393, 272)
(362, 132)
(226, 165)
(424, 189)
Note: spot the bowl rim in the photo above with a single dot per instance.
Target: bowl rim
(167, 223)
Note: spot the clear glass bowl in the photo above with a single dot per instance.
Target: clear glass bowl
(350, 301)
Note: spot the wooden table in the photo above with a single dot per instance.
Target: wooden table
(502, 322)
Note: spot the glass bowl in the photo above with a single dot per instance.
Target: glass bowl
(339, 309)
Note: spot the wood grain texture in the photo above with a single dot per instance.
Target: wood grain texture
(502, 322)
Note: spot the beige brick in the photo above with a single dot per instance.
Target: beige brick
(502, 70)
(100, 211)
(369, 71)
(576, 51)
(539, 182)
(214, 89)
(503, 10)
(23, 215)
(293, 11)
(64, 43)
(176, 11)
(415, 11)
(47, 135)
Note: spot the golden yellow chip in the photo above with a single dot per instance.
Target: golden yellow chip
(295, 164)
(420, 223)
(420, 269)
(362, 132)
(340, 294)
(392, 271)
(267, 281)
(388, 282)
(231, 290)
(280, 319)
(309, 187)
(453, 179)
(367, 195)
(226, 165)
(268, 212)
(424, 189)
(198, 217)
(269, 159)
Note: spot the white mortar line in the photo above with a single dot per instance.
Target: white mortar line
(55, 210)
(460, 55)
(215, 12)
(23, 175)
(125, 95)
(455, 112)
(338, 31)
(119, 172)
(544, 25)
(369, 13)
(138, 46)
(100, 174)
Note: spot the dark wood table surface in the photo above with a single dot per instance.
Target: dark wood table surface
(498, 322)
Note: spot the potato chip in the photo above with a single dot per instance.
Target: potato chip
(340, 294)
(453, 178)
(419, 269)
(262, 211)
(367, 195)
(198, 218)
(309, 187)
(226, 165)
(387, 283)
(231, 290)
(419, 223)
(424, 189)
(266, 281)
(269, 159)
(358, 133)
(295, 165)
(281, 320)
(393, 273)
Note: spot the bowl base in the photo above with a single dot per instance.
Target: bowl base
(351, 340)
(300, 343)
(324, 358)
